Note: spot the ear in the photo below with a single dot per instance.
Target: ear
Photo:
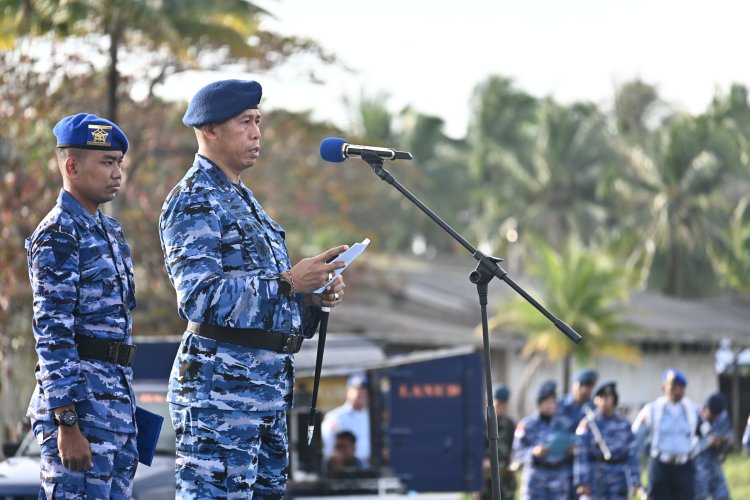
(71, 167)
(209, 131)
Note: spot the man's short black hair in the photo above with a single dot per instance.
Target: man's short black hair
(347, 435)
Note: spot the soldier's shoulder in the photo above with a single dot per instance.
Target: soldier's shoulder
(194, 189)
(57, 224)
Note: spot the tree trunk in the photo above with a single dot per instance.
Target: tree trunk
(115, 35)
(672, 258)
(113, 76)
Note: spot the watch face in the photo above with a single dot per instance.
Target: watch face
(68, 417)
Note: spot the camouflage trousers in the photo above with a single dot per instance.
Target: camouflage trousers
(709, 480)
(229, 453)
(544, 483)
(115, 459)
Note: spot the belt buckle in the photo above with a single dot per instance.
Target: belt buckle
(671, 459)
(114, 352)
(291, 343)
(117, 349)
(131, 355)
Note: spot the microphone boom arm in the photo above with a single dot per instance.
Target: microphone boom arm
(490, 264)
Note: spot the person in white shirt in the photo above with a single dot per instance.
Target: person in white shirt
(352, 416)
(667, 427)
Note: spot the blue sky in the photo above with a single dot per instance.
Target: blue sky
(432, 54)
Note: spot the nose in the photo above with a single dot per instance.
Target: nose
(117, 171)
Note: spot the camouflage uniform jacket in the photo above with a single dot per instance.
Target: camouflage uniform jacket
(721, 427)
(82, 282)
(537, 430)
(621, 471)
(224, 254)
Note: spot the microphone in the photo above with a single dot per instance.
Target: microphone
(336, 150)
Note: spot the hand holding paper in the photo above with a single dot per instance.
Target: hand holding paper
(347, 258)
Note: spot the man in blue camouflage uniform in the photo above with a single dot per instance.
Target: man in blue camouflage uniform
(606, 457)
(716, 439)
(82, 409)
(247, 308)
(570, 410)
(541, 446)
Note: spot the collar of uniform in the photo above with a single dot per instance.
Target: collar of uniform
(214, 172)
(76, 210)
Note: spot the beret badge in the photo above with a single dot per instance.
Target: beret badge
(99, 135)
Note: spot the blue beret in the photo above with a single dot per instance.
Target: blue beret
(500, 392)
(357, 380)
(607, 387)
(546, 390)
(586, 377)
(86, 131)
(716, 403)
(219, 101)
(674, 375)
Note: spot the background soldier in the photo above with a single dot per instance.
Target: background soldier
(716, 438)
(247, 307)
(607, 469)
(667, 428)
(542, 445)
(505, 431)
(82, 410)
(570, 411)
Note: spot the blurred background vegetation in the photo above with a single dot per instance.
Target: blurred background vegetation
(656, 196)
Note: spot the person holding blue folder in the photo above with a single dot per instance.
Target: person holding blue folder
(82, 410)
(541, 444)
(247, 307)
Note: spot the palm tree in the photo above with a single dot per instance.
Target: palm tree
(540, 178)
(589, 291)
(673, 201)
(185, 35)
(556, 195)
(731, 257)
(499, 138)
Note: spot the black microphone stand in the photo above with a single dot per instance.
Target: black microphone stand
(318, 365)
(487, 268)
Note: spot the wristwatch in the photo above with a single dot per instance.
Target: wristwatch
(68, 418)
(285, 288)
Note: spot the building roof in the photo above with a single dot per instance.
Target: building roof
(433, 303)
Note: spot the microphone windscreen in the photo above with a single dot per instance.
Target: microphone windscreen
(331, 149)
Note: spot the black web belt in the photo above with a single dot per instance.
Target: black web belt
(614, 461)
(249, 337)
(546, 465)
(106, 350)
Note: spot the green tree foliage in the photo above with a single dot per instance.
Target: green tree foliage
(499, 140)
(168, 36)
(673, 203)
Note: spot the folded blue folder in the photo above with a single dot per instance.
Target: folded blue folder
(149, 428)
